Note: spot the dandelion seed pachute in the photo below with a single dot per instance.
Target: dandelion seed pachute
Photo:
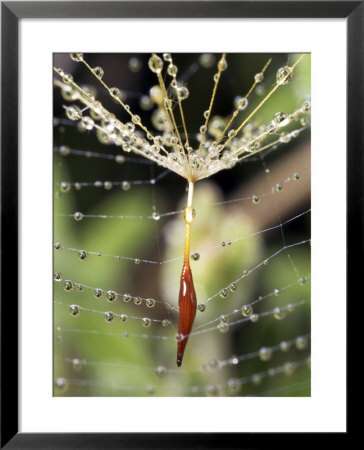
(168, 150)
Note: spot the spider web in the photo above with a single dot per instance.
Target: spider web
(119, 233)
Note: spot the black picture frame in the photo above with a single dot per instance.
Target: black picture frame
(11, 12)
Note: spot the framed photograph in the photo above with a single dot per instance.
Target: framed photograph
(160, 161)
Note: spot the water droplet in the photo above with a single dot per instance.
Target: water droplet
(195, 256)
(109, 316)
(137, 301)
(285, 138)
(306, 106)
(68, 285)
(172, 70)
(254, 146)
(266, 262)
(304, 121)
(67, 78)
(150, 302)
(125, 185)
(58, 246)
(285, 346)
(73, 112)
(136, 261)
(279, 313)
(223, 318)
(65, 186)
(289, 368)
(213, 363)
(182, 92)
(265, 353)
(146, 103)
(114, 92)
(136, 119)
(301, 343)
(78, 216)
(61, 384)
(245, 273)
(216, 77)
(75, 310)
(77, 364)
(212, 390)
(284, 75)
(82, 254)
(223, 327)
(279, 117)
(207, 60)
(146, 322)
(79, 287)
(257, 379)
(278, 187)
(167, 57)
(255, 199)
(98, 72)
(254, 318)
(222, 65)
(64, 150)
(123, 317)
(150, 390)
(76, 57)
(107, 185)
(246, 311)
(156, 94)
(120, 159)
(271, 128)
(241, 103)
(258, 77)
(260, 90)
(276, 292)
(155, 64)
(302, 281)
(111, 296)
(87, 123)
(156, 215)
(161, 371)
(233, 385)
(206, 113)
(166, 322)
(290, 307)
(134, 64)
(201, 307)
(57, 276)
(233, 287)
(126, 298)
(98, 293)
(224, 293)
